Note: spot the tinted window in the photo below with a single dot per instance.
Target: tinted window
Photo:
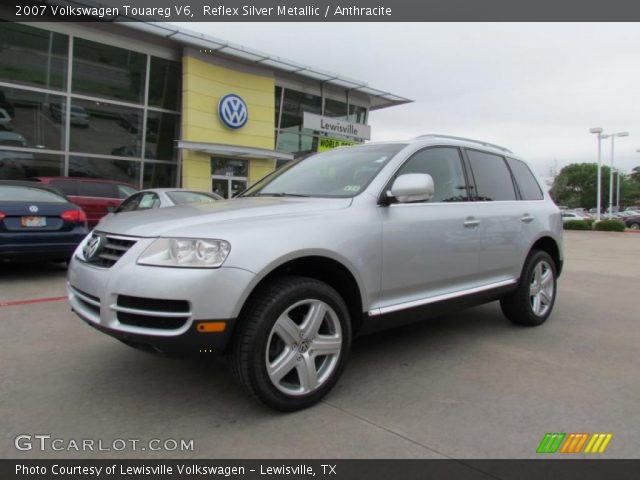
(164, 84)
(117, 170)
(159, 175)
(148, 200)
(527, 183)
(107, 71)
(26, 165)
(445, 167)
(96, 189)
(130, 203)
(27, 194)
(492, 177)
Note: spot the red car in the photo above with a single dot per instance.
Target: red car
(95, 196)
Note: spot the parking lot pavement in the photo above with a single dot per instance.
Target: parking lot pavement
(468, 385)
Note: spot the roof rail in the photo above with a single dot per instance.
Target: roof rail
(471, 140)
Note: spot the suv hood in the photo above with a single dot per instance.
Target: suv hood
(180, 220)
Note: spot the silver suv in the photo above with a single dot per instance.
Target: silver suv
(341, 243)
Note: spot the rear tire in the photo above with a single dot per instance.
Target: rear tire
(292, 342)
(532, 302)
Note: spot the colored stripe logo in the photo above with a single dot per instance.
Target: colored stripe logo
(574, 442)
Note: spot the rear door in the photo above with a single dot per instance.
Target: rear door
(499, 213)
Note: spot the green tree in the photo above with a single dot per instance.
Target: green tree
(575, 186)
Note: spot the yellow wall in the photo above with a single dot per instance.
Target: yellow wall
(203, 85)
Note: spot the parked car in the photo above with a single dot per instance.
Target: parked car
(582, 212)
(346, 241)
(95, 196)
(568, 216)
(5, 120)
(633, 222)
(38, 222)
(79, 116)
(165, 197)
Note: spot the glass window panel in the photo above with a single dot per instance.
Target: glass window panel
(229, 167)
(162, 133)
(278, 97)
(445, 167)
(295, 104)
(220, 186)
(23, 165)
(527, 183)
(164, 84)
(157, 175)
(357, 114)
(34, 122)
(294, 143)
(33, 56)
(105, 168)
(105, 71)
(336, 109)
(492, 177)
(104, 128)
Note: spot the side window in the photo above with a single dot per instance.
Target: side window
(96, 189)
(445, 167)
(148, 200)
(130, 203)
(527, 183)
(492, 177)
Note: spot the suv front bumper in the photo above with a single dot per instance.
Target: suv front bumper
(156, 308)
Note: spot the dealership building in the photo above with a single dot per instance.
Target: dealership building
(160, 106)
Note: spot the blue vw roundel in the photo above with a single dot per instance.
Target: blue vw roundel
(233, 111)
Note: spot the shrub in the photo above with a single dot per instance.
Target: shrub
(610, 226)
(576, 225)
(590, 221)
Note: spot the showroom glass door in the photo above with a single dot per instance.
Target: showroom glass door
(229, 176)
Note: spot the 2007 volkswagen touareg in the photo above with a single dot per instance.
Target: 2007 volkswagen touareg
(342, 242)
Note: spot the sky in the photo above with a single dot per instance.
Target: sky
(535, 88)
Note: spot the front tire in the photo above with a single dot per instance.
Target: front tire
(531, 304)
(292, 344)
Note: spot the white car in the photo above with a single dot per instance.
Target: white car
(569, 216)
(164, 197)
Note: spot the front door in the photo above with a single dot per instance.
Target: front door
(229, 176)
(430, 248)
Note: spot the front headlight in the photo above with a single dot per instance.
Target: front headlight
(186, 252)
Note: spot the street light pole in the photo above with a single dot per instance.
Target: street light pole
(618, 189)
(613, 136)
(598, 131)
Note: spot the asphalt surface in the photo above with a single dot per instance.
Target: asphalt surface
(468, 385)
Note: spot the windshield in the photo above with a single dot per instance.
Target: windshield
(343, 172)
(179, 197)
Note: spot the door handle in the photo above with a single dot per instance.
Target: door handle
(526, 218)
(471, 222)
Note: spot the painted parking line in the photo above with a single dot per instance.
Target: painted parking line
(15, 303)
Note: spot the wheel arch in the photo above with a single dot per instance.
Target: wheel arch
(550, 245)
(328, 269)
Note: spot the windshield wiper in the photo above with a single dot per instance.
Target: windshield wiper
(280, 194)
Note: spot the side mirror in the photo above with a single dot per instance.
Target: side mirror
(412, 187)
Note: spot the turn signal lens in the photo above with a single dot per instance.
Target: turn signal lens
(74, 216)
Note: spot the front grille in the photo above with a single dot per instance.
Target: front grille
(109, 250)
(152, 312)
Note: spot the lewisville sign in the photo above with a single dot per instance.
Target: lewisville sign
(336, 126)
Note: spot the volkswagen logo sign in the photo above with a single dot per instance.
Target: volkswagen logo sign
(92, 247)
(233, 111)
(33, 209)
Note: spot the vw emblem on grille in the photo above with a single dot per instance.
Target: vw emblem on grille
(92, 247)
(233, 111)
(33, 209)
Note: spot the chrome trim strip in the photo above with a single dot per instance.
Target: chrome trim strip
(439, 298)
(150, 313)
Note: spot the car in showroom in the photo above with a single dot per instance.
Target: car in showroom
(95, 196)
(344, 242)
(38, 222)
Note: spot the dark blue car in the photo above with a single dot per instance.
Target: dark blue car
(38, 222)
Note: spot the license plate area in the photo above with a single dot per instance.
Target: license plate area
(33, 221)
